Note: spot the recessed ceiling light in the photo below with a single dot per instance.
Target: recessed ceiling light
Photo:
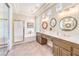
(37, 5)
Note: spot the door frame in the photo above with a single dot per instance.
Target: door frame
(23, 31)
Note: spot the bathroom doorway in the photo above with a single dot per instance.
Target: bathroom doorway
(18, 31)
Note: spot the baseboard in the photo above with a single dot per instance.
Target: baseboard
(26, 40)
(3, 46)
(23, 43)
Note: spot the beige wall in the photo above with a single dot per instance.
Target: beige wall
(26, 19)
(19, 17)
(56, 30)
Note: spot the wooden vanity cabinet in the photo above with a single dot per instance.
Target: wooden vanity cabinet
(64, 52)
(65, 48)
(60, 47)
(38, 37)
(75, 52)
(41, 39)
(56, 50)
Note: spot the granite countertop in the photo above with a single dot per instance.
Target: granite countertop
(73, 39)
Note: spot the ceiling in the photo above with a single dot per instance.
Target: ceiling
(28, 9)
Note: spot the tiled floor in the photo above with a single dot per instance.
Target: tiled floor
(3, 51)
(31, 49)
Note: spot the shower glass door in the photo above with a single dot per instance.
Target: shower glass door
(4, 12)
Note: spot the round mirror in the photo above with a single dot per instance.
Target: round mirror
(44, 24)
(68, 23)
(53, 22)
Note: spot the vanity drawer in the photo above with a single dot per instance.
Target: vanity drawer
(75, 52)
(44, 36)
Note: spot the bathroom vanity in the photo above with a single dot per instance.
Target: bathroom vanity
(60, 46)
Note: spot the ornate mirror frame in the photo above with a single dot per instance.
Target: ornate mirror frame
(55, 22)
(68, 25)
(44, 25)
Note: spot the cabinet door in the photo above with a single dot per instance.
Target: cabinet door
(43, 40)
(75, 52)
(55, 50)
(64, 52)
(38, 38)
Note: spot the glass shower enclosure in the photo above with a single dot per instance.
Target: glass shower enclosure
(4, 28)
